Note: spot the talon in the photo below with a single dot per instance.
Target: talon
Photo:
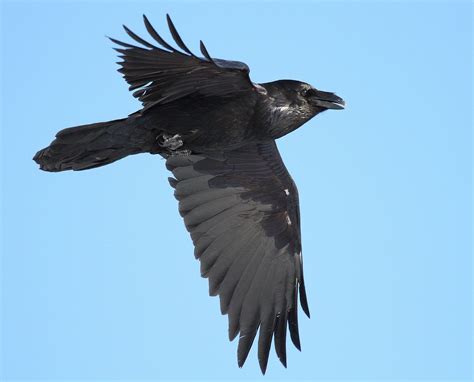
(169, 142)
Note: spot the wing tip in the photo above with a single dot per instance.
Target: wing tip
(304, 300)
(156, 36)
(306, 311)
(233, 333)
(176, 37)
(245, 344)
(205, 52)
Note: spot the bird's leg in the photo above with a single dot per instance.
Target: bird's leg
(170, 142)
(181, 152)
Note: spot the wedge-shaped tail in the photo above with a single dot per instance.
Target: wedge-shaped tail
(88, 146)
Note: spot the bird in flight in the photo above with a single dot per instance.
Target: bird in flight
(217, 131)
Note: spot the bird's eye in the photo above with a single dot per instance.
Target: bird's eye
(307, 92)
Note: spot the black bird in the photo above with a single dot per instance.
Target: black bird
(217, 131)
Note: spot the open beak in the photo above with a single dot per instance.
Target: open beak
(327, 100)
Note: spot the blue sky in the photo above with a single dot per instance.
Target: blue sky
(98, 275)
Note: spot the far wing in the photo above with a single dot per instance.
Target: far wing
(241, 208)
(163, 74)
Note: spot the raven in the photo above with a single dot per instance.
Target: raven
(217, 131)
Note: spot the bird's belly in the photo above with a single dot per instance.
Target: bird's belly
(201, 127)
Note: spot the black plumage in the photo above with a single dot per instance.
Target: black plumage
(217, 131)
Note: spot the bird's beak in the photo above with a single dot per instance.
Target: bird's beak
(327, 100)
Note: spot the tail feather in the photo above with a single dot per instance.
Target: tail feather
(88, 146)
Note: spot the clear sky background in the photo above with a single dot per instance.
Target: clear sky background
(98, 275)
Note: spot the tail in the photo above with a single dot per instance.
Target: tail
(88, 146)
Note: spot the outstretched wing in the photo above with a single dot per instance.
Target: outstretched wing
(241, 208)
(163, 74)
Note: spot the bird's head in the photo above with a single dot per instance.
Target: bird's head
(292, 103)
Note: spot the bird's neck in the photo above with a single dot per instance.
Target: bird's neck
(282, 118)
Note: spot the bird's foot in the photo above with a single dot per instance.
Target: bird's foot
(170, 142)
